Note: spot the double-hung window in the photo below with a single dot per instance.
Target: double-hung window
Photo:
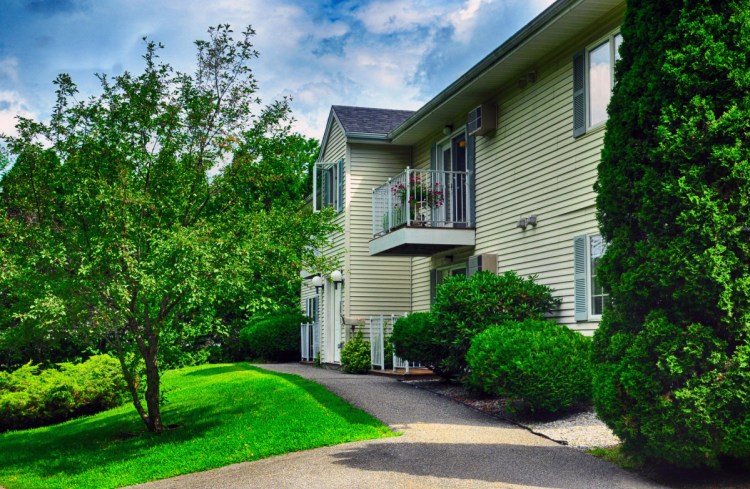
(329, 185)
(438, 276)
(590, 297)
(593, 79)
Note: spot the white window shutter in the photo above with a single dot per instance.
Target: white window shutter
(579, 94)
(579, 268)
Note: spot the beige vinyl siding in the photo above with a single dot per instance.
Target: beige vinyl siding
(334, 150)
(307, 291)
(378, 285)
(531, 165)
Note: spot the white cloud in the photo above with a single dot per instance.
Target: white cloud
(463, 21)
(12, 104)
(391, 16)
(377, 53)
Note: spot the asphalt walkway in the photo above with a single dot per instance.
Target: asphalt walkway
(444, 445)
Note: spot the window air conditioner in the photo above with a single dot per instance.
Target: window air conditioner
(482, 119)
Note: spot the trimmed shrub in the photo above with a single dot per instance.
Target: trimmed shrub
(466, 306)
(355, 355)
(671, 355)
(30, 397)
(275, 337)
(541, 362)
(413, 339)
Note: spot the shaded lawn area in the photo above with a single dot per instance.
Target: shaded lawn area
(226, 414)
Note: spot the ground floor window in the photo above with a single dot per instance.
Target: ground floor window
(438, 276)
(590, 297)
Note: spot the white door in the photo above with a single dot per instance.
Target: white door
(337, 322)
(333, 322)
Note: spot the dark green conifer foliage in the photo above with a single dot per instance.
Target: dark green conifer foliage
(672, 356)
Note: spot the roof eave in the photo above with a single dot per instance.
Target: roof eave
(533, 28)
(331, 118)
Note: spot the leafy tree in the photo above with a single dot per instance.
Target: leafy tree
(133, 216)
(672, 376)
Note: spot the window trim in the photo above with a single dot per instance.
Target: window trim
(582, 83)
(582, 283)
(445, 268)
(337, 195)
(589, 281)
(312, 308)
(453, 266)
(609, 37)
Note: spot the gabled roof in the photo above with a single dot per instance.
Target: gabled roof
(366, 120)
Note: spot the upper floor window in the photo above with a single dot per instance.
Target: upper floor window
(601, 76)
(593, 79)
(329, 185)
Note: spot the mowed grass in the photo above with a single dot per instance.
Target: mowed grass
(226, 414)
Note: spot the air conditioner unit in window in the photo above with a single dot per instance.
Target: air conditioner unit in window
(478, 263)
(482, 119)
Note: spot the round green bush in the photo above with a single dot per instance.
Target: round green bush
(355, 355)
(466, 306)
(274, 337)
(413, 339)
(543, 363)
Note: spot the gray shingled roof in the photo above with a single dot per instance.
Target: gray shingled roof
(368, 120)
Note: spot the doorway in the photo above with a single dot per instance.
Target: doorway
(453, 163)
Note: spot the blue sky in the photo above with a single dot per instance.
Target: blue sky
(374, 53)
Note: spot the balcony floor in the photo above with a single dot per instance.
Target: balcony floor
(421, 241)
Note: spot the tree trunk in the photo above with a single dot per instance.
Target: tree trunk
(153, 421)
(130, 379)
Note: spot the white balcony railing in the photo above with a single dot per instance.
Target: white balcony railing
(422, 198)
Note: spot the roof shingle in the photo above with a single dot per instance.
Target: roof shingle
(365, 120)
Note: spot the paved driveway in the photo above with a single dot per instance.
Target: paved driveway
(444, 445)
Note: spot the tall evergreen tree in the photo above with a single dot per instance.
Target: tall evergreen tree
(673, 356)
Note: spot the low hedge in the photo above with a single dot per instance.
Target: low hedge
(30, 397)
(275, 337)
(544, 364)
(355, 355)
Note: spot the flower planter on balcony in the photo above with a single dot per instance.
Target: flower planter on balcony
(434, 201)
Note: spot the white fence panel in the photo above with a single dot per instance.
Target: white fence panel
(309, 341)
(381, 327)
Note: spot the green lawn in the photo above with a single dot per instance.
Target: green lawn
(226, 414)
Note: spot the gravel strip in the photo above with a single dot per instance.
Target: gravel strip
(581, 429)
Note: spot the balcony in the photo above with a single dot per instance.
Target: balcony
(422, 212)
